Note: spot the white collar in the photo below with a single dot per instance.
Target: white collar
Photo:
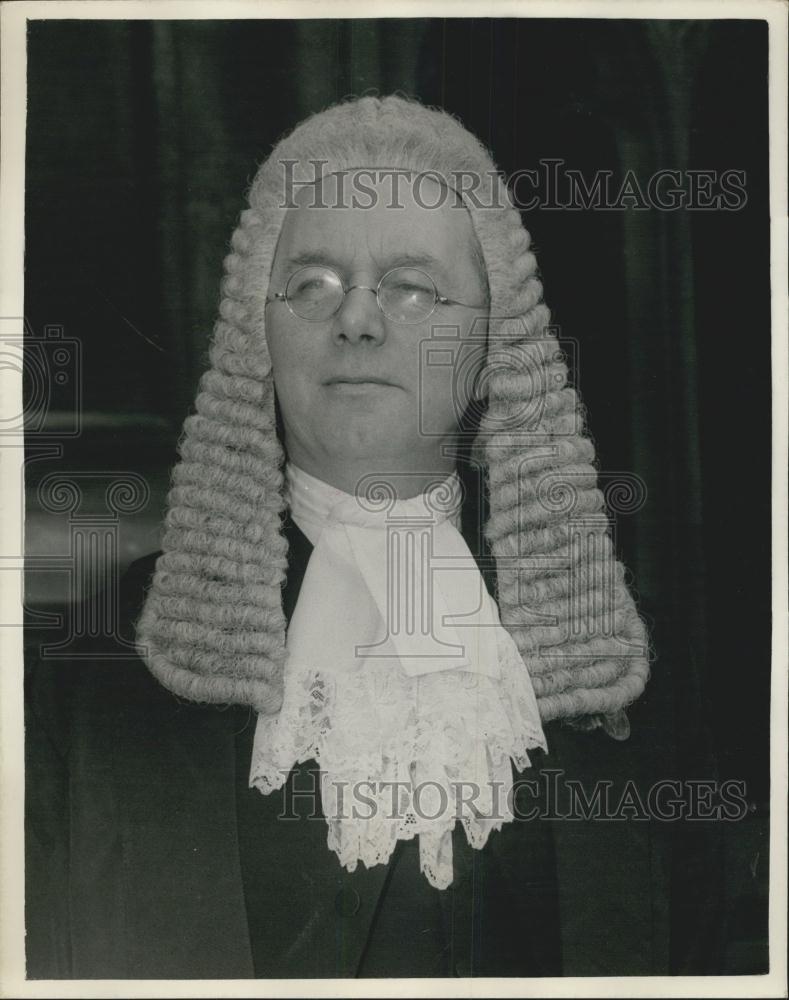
(311, 501)
(436, 701)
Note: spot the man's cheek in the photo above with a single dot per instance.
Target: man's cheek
(437, 400)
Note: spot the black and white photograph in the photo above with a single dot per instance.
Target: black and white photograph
(395, 573)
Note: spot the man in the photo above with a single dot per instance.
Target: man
(385, 567)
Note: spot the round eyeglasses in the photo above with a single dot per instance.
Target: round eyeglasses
(404, 294)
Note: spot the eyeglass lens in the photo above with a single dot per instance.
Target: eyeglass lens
(405, 294)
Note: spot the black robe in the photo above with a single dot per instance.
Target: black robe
(148, 856)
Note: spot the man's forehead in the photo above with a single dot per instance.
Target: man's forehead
(358, 209)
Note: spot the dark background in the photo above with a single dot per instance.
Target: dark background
(143, 136)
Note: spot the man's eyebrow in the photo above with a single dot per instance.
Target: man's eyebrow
(322, 255)
(307, 257)
(421, 258)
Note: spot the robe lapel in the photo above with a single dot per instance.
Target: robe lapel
(181, 872)
(309, 917)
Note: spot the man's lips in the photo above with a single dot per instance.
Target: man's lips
(357, 380)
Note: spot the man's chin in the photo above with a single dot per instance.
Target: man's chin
(381, 451)
(375, 450)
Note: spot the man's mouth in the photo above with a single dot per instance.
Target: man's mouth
(357, 380)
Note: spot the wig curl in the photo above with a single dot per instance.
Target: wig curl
(213, 628)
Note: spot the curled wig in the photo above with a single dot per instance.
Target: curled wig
(213, 628)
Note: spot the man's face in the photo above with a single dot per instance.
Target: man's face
(375, 424)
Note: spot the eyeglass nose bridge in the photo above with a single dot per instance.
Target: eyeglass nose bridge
(351, 288)
(365, 288)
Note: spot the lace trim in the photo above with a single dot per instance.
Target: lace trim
(404, 756)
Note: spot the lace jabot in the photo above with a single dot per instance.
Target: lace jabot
(400, 680)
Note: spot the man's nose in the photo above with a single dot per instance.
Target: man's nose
(359, 319)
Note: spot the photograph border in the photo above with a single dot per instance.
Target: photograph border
(14, 17)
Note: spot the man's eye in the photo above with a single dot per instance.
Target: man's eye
(309, 286)
(409, 288)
